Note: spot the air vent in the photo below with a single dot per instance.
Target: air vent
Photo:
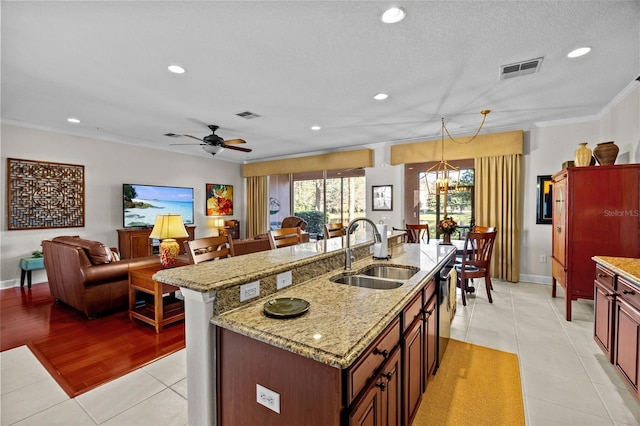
(521, 68)
(172, 135)
(248, 115)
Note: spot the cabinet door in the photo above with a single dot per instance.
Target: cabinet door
(559, 221)
(368, 412)
(140, 244)
(381, 403)
(603, 318)
(413, 355)
(430, 337)
(627, 342)
(392, 401)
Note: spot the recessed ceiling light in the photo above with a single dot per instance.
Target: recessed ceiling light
(73, 120)
(579, 52)
(316, 127)
(380, 96)
(393, 15)
(176, 69)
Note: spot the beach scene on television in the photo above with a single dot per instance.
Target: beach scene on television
(142, 203)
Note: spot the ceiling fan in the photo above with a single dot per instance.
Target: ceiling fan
(213, 143)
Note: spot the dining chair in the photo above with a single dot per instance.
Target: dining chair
(476, 261)
(332, 230)
(209, 248)
(285, 237)
(478, 228)
(417, 233)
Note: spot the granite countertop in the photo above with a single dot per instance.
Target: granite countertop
(342, 320)
(624, 266)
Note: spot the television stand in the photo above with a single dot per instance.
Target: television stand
(135, 242)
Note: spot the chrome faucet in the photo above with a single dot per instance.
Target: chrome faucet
(377, 238)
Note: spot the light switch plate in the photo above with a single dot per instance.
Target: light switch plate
(283, 280)
(249, 291)
(268, 398)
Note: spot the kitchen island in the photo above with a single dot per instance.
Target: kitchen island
(340, 326)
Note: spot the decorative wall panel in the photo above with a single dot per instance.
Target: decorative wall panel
(44, 195)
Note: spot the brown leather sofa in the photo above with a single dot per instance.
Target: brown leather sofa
(88, 276)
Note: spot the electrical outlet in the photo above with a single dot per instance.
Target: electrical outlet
(268, 398)
(543, 258)
(283, 280)
(249, 291)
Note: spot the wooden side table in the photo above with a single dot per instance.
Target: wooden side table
(28, 264)
(147, 300)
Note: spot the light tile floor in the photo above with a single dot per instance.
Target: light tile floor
(565, 378)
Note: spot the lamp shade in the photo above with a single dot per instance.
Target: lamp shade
(169, 226)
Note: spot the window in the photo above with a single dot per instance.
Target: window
(429, 208)
(319, 197)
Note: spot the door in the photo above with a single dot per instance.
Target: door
(627, 343)
(603, 322)
(430, 338)
(413, 368)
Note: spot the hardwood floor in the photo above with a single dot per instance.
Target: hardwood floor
(80, 353)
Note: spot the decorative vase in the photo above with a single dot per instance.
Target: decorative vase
(606, 153)
(169, 249)
(446, 238)
(583, 155)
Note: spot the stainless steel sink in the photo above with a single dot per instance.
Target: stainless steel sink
(379, 277)
(390, 272)
(367, 282)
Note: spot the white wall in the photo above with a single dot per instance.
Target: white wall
(107, 166)
(385, 174)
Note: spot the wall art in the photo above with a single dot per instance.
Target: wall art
(382, 197)
(44, 195)
(219, 199)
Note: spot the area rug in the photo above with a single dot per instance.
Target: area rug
(79, 353)
(473, 386)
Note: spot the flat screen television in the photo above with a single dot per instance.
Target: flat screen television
(142, 203)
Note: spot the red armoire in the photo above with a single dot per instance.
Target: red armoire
(596, 212)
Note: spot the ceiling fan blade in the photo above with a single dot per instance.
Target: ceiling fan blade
(234, 141)
(237, 148)
(183, 144)
(193, 137)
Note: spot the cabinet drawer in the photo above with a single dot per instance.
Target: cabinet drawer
(605, 277)
(629, 292)
(411, 312)
(370, 361)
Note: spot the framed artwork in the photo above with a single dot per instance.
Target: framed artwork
(219, 199)
(544, 204)
(382, 197)
(43, 195)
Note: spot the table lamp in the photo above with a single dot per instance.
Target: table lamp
(167, 228)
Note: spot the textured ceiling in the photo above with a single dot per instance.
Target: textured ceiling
(302, 63)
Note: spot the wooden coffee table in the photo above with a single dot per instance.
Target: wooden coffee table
(151, 301)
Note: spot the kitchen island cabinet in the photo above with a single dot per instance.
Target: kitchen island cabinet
(617, 315)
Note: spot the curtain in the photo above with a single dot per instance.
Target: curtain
(257, 202)
(499, 201)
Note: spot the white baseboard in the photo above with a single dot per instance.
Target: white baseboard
(535, 279)
(10, 283)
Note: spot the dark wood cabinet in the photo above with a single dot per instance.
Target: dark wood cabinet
(617, 323)
(231, 227)
(134, 243)
(604, 310)
(413, 359)
(627, 334)
(595, 213)
(430, 338)
(381, 402)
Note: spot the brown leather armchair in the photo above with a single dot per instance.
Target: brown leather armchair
(86, 275)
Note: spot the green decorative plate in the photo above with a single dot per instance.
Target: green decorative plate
(286, 307)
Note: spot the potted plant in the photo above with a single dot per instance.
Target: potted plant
(446, 227)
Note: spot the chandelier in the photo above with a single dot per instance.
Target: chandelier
(444, 177)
